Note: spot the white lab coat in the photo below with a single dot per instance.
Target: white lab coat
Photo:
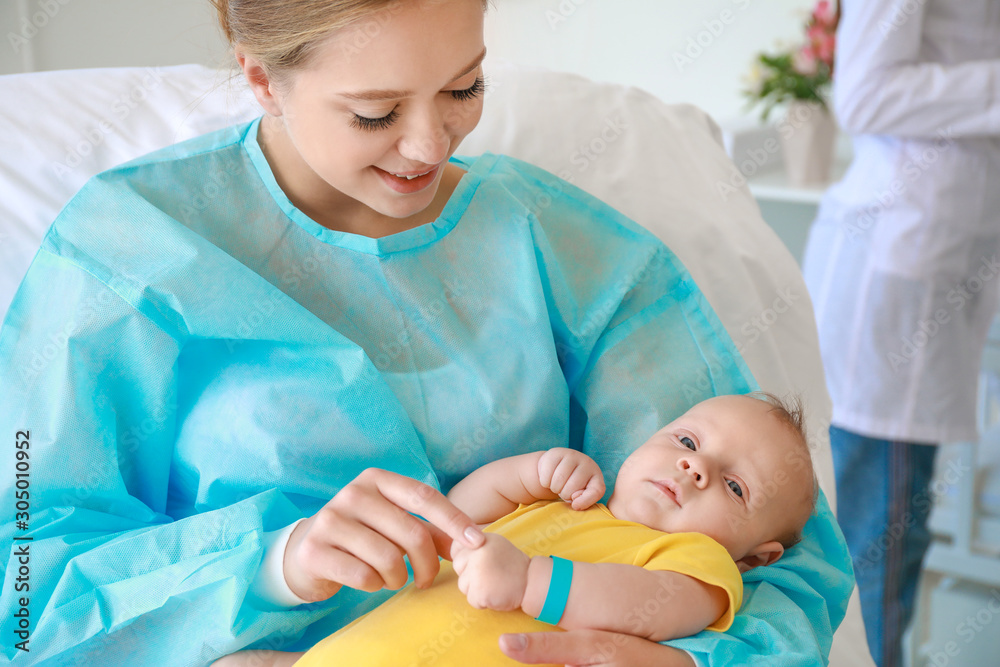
(902, 262)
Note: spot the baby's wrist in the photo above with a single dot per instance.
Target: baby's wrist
(539, 574)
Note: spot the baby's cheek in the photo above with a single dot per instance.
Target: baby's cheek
(729, 525)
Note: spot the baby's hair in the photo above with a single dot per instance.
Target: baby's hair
(790, 413)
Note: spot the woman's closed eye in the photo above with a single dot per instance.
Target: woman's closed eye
(383, 122)
(374, 124)
(477, 89)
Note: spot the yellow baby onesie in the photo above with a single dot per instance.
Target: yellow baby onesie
(437, 626)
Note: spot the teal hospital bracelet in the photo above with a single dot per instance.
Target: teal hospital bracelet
(559, 584)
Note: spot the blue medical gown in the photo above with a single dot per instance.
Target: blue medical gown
(196, 362)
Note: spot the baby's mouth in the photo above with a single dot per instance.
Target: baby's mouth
(670, 488)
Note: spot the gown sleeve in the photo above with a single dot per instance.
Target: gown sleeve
(881, 87)
(104, 571)
(640, 344)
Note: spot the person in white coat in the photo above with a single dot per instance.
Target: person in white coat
(902, 264)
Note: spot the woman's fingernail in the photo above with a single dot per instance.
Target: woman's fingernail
(516, 642)
(475, 537)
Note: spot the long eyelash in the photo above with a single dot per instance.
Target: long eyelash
(477, 89)
(374, 124)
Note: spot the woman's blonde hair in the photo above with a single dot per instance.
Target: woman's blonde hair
(282, 34)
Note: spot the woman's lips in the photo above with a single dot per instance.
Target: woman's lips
(408, 186)
(670, 489)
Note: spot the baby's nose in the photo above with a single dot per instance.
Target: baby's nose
(694, 470)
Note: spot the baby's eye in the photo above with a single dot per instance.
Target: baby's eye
(735, 487)
(688, 442)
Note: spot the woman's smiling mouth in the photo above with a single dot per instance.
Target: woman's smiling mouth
(408, 183)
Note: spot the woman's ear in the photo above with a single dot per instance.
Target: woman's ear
(260, 83)
(762, 554)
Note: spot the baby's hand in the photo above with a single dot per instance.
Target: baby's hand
(494, 576)
(572, 475)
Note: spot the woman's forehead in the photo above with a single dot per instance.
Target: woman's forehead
(400, 41)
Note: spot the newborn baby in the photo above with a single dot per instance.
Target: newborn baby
(724, 488)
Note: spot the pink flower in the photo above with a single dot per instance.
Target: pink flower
(824, 48)
(815, 33)
(824, 13)
(804, 61)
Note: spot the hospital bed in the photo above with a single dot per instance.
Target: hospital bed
(663, 166)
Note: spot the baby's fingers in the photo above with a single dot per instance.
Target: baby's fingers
(590, 494)
(583, 477)
(459, 558)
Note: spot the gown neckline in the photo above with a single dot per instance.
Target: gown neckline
(409, 239)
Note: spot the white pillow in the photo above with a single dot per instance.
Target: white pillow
(661, 165)
(57, 129)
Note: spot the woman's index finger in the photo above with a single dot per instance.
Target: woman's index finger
(432, 506)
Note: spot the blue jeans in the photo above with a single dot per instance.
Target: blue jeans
(883, 501)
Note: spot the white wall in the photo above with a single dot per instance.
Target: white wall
(68, 34)
(681, 50)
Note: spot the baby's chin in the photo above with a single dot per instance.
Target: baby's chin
(637, 510)
(643, 511)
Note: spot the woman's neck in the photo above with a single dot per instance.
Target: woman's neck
(331, 208)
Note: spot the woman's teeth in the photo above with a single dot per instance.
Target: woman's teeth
(410, 178)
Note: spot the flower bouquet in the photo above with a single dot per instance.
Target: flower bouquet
(803, 72)
(800, 79)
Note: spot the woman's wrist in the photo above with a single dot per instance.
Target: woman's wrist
(539, 575)
(269, 585)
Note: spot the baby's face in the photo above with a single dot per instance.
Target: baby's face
(725, 468)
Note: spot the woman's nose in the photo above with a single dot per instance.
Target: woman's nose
(695, 470)
(427, 140)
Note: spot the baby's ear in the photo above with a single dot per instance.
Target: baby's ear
(762, 554)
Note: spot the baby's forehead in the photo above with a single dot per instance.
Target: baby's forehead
(788, 484)
(734, 402)
(753, 416)
(746, 409)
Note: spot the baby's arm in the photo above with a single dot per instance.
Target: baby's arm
(654, 604)
(497, 488)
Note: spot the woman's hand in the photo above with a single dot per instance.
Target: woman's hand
(571, 475)
(590, 648)
(359, 538)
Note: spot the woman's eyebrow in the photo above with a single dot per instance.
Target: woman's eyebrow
(473, 65)
(382, 95)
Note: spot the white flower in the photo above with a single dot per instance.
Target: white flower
(754, 79)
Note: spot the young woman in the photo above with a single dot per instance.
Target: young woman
(261, 352)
